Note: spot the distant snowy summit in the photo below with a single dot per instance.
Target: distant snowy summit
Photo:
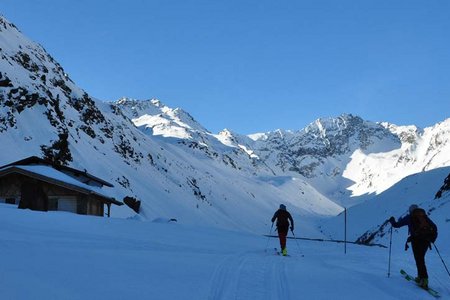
(159, 118)
(322, 139)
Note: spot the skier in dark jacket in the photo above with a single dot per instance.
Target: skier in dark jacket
(419, 243)
(283, 218)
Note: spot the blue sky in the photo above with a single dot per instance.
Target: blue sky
(254, 66)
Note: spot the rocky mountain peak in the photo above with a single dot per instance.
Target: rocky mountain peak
(326, 126)
(161, 119)
(134, 108)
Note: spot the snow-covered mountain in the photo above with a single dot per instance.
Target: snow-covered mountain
(323, 150)
(348, 156)
(178, 169)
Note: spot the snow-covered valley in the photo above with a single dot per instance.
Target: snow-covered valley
(66, 256)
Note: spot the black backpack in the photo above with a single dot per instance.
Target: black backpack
(422, 227)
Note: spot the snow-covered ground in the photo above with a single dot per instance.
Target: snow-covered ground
(59, 255)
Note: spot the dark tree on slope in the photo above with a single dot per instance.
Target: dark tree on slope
(58, 152)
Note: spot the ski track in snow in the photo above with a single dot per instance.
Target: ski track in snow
(278, 282)
(250, 275)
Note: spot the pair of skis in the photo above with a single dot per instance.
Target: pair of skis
(411, 278)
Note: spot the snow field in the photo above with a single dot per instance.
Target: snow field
(60, 255)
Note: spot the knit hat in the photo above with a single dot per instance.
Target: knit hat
(282, 206)
(412, 207)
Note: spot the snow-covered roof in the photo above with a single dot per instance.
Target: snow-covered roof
(51, 175)
(34, 160)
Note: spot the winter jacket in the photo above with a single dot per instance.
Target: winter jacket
(403, 221)
(283, 218)
(406, 220)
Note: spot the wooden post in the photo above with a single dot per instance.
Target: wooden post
(109, 210)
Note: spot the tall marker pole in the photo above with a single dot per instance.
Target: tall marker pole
(345, 230)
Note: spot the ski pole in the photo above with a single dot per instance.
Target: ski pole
(268, 238)
(296, 241)
(390, 247)
(441, 259)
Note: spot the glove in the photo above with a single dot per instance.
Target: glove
(392, 220)
(408, 240)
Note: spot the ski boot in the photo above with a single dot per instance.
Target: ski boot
(423, 283)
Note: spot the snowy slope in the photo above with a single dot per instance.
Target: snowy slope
(367, 222)
(51, 255)
(421, 150)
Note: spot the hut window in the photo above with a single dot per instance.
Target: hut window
(67, 203)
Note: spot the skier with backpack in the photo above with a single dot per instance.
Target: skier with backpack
(422, 232)
(283, 218)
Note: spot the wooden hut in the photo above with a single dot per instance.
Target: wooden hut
(38, 184)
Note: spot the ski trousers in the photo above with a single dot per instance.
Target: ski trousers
(282, 234)
(420, 248)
